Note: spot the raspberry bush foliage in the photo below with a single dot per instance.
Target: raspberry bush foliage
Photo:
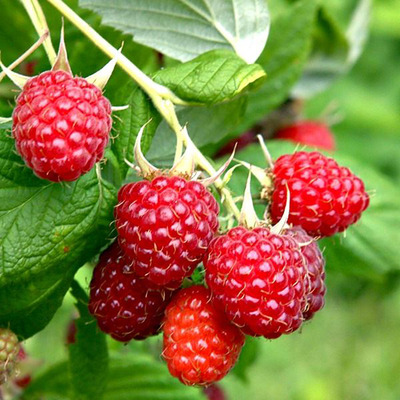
(117, 211)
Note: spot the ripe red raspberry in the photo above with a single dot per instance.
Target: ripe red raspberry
(214, 392)
(61, 125)
(315, 267)
(165, 226)
(9, 349)
(310, 133)
(200, 345)
(237, 144)
(125, 306)
(258, 279)
(324, 197)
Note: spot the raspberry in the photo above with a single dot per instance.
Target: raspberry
(71, 332)
(324, 197)
(23, 380)
(258, 279)
(200, 345)
(61, 125)
(237, 144)
(125, 306)
(214, 392)
(310, 133)
(315, 267)
(9, 349)
(165, 226)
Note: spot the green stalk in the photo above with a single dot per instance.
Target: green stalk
(163, 98)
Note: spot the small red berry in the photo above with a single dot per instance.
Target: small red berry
(309, 133)
(214, 392)
(200, 345)
(9, 350)
(325, 198)
(165, 226)
(61, 125)
(23, 380)
(71, 332)
(258, 279)
(315, 267)
(125, 306)
(237, 144)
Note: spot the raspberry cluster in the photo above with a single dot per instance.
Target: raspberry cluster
(259, 281)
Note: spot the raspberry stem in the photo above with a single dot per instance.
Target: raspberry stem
(38, 19)
(149, 86)
(163, 98)
(24, 56)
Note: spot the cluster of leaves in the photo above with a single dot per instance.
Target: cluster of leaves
(208, 55)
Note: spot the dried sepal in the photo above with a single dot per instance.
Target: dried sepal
(18, 79)
(61, 63)
(101, 77)
(248, 215)
(185, 165)
(210, 180)
(228, 175)
(119, 108)
(26, 54)
(265, 151)
(259, 173)
(144, 166)
(282, 223)
(4, 120)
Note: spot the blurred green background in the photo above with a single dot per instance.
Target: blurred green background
(350, 351)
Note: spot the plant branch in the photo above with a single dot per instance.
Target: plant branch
(38, 19)
(162, 97)
(148, 85)
(25, 55)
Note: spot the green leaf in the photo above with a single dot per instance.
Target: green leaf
(365, 250)
(205, 124)
(88, 356)
(328, 58)
(369, 248)
(139, 112)
(283, 59)
(213, 77)
(53, 384)
(49, 231)
(132, 377)
(247, 358)
(184, 29)
(357, 31)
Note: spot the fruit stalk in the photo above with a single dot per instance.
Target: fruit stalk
(163, 98)
(38, 19)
